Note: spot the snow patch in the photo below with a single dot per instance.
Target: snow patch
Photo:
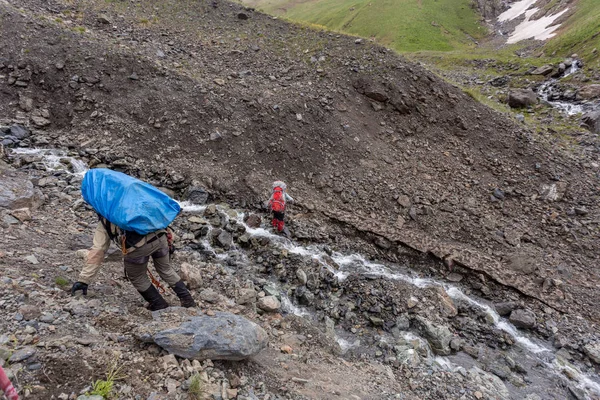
(516, 10)
(539, 29)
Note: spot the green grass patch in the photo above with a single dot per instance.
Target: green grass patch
(60, 281)
(579, 34)
(405, 25)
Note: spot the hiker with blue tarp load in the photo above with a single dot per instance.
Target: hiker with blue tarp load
(135, 215)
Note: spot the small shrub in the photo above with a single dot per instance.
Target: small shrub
(60, 281)
(196, 390)
(104, 387)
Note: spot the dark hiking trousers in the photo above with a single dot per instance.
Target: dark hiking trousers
(136, 263)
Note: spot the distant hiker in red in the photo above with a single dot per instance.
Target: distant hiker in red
(7, 387)
(277, 204)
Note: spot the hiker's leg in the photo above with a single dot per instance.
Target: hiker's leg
(279, 216)
(162, 262)
(136, 269)
(163, 266)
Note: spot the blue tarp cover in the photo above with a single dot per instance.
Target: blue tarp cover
(127, 202)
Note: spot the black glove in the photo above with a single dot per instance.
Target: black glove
(79, 286)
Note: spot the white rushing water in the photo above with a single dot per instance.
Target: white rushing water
(54, 160)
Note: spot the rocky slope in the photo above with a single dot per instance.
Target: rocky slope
(383, 157)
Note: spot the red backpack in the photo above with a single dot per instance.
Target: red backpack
(277, 200)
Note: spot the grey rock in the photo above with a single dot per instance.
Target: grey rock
(592, 350)
(543, 70)
(489, 385)
(40, 121)
(506, 308)
(10, 220)
(520, 98)
(271, 291)
(192, 275)
(216, 136)
(16, 190)
(224, 240)
(438, 336)
(19, 132)
(371, 89)
(189, 334)
(522, 318)
(591, 121)
(246, 296)
(301, 275)
(22, 354)
(196, 195)
(499, 194)
(253, 220)
(404, 201)
(32, 259)
(269, 304)
(92, 397)
(103, 19)
(454, 277)
(402, 323)
(210, 296)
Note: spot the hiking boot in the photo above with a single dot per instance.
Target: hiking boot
(280, 226)
(184, 295)
(155, 300)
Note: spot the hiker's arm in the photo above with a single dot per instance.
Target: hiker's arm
(288, 198)
(95, 255)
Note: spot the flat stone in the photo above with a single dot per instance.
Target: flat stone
(269, 304)
(189, 334)
(454, 277)
(22, 354)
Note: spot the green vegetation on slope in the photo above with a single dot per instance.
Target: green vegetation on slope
(405, 25)
(579, 34)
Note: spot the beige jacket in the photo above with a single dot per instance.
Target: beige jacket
(100, 245)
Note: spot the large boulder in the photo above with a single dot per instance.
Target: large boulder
(543, 70)
(371, 89)
(523, 318)
(438, 336)
(16, 190)
(589, 92)
(190, 334)
(197, 195)
(521, 98)
(591, 120)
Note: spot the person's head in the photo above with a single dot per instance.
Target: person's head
(280, 184)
